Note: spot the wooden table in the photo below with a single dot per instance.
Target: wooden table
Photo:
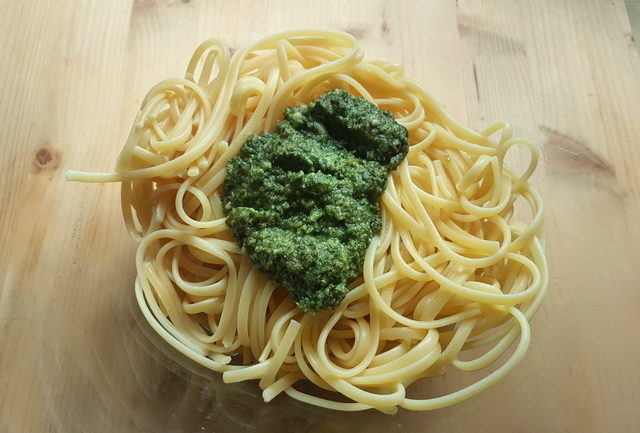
(75, 355)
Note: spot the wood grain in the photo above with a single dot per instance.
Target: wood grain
(74, 353)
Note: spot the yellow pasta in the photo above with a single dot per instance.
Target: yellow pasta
(449, 272)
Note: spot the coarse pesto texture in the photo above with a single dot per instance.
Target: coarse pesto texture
(303, 201)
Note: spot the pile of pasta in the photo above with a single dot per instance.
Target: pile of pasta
(450, 272)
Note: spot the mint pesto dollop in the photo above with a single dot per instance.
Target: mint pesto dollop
(303, 201)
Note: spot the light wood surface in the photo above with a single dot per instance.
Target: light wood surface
(74, 353)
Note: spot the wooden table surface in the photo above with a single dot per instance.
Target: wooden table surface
(75, 355)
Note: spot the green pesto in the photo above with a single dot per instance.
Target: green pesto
(303, 201)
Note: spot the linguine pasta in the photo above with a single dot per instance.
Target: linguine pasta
(449, 272)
